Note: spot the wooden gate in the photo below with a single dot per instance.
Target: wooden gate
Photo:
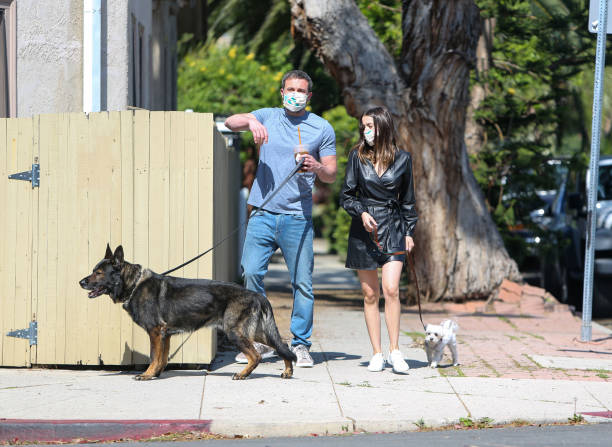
(146, 180)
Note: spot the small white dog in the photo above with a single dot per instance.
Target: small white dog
(438, 336)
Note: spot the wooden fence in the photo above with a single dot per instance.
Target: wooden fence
(162, 184)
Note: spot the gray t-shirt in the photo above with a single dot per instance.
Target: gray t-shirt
(276, 159)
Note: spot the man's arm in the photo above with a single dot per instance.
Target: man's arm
(247, 121)
(326, 170)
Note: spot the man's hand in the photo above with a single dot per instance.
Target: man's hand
(310, 164)
(368, 222)
(259, 131)
(247, 121)
(325, 169)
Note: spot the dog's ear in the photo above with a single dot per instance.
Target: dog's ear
(118, 256)
(109, 252)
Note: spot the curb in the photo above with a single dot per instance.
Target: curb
(13, 430)
(599, 414)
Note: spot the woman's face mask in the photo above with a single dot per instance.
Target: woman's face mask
(295, 101)
(369, 134)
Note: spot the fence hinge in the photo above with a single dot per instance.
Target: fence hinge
(31, 333)
(30, 176)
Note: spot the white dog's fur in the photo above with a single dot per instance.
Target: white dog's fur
(438, 336)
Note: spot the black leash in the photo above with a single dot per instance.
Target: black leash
(291, 174)
(410, 258)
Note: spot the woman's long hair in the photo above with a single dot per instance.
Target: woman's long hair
(384, 148)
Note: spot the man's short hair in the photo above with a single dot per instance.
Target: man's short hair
(297, 74)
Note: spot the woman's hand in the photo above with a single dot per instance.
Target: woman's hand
(368, 222)
(409, 244)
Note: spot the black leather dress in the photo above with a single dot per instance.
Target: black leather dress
(389, 199)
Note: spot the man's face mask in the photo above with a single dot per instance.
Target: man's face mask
(368, 134)
(295, 101)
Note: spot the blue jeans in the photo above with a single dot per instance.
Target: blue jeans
(293, 234)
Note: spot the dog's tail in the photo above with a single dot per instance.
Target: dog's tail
(273, 337)
(450, 325)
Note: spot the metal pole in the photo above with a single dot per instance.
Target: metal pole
(600, 59)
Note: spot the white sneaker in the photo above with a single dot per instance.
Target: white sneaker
(304, 360)
(396, 360)
(377, 362)
(264, 350)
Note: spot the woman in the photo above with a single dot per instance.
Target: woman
(378, 193)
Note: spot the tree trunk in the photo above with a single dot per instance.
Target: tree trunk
(475, 135)
(459, 251)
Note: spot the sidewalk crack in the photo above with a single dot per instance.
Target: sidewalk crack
(594, 397)
(353, 421)
(202, 400)
(459, 397)
(19, 387)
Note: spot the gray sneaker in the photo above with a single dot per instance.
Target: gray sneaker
(304, 360)
(264, 350)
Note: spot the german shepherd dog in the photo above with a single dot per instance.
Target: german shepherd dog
(166, 305)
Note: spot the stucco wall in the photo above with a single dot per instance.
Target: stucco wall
(115, 87)
(49, 56)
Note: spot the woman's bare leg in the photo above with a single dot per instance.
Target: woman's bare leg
(371, 294)
(391, 273)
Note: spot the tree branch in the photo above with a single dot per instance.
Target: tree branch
(342, 38)
(388, 8)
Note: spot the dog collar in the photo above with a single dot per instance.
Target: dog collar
(138, 281)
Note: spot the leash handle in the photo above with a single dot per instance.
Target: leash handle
(298, 165)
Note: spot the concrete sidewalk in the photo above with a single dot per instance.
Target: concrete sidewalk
(519, 361)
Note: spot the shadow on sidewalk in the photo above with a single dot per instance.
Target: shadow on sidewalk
(585, 350)
(166, 373)
(442, 311)
(328, 356)
(254, 375)
(226, 358)
(599, 340)
(499, 315)
(412, 364)
(417, 364)
(424, 312)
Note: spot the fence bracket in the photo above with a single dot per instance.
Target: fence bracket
(31, 333)
(29, 176)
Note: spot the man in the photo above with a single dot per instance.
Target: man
(286, 221)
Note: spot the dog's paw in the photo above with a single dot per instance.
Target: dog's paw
(144, 377)
(433, 365)
(287, 375)
(238, 376)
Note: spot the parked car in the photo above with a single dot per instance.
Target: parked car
(531, 208)
(564, 222)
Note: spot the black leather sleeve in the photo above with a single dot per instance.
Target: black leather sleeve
(407, 200)
(348, 196)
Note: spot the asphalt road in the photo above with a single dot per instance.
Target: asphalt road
(557, 436)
